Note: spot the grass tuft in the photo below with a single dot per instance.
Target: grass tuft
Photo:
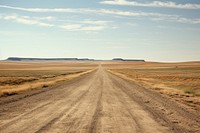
(191, 91)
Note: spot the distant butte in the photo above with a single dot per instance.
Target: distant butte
(67, 59)
(134, 60)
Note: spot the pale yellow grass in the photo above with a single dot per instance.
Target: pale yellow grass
(17, 77)
(41, 83)
(178, 80)
(65, 65)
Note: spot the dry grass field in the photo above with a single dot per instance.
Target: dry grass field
(17, 77)
(178, 80)
(164, 98)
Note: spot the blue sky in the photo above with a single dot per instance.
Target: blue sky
(101, 29)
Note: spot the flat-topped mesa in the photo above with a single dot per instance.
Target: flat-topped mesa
(47, 59)
(133, 60)
(68, 59)
(38, 59)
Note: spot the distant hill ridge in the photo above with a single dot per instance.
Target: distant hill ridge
(47, 59)
(134, 60)
(67, 59)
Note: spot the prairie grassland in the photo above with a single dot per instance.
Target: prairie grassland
(17, 77)
(178, 80)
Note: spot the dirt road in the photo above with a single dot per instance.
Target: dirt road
(96, 102)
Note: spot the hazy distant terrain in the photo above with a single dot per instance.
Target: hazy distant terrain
(68, 59)
(47, 59)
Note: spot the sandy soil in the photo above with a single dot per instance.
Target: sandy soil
(96, 102)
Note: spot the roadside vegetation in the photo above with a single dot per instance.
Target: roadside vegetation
(19, 77)
(178, 80)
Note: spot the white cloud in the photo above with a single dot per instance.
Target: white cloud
(168, 4)
(25, 20)
(92, 28)
(179, 19)
(133, 14)
(96, 22)
(186, 20)
(49, 18)
(88, 24)
(86, 10)
(58, 10)
(85, 25)
(70, 26)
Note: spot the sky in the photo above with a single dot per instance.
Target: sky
(101, 29)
